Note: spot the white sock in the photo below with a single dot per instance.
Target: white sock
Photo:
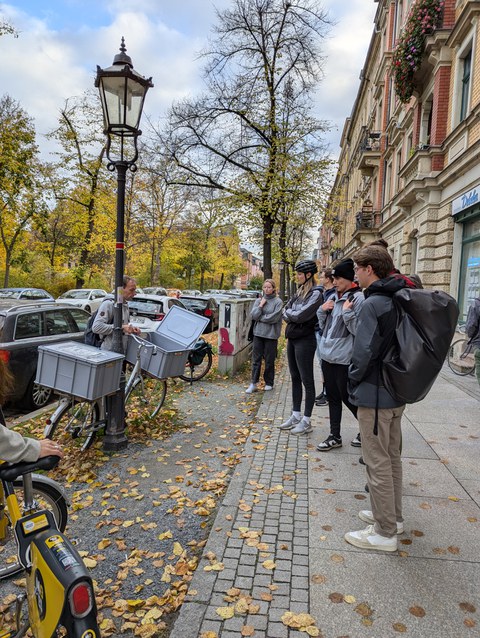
(297, 415)
(306, 419)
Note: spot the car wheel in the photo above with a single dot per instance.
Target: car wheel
(88, 309)
(37, 396)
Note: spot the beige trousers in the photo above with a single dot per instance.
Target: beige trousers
(382, 456)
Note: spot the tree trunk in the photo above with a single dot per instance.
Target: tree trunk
(267, 247)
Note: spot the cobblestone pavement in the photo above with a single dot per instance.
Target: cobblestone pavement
(279, 531)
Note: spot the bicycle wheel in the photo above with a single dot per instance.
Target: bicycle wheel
(460, 357)
(197, 372)
(80, 420)
(148, 392)
(47, 496)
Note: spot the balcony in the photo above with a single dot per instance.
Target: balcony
(415, 173)
(369, 151)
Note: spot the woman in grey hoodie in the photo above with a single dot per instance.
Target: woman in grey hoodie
(267, 315)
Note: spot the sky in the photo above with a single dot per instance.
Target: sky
(61, 42)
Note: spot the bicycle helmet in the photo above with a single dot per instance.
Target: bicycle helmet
(306, 266)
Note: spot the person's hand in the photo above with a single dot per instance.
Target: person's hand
(263, 301)
(50, 448)
(328, 305)
(128, 329)
(347, 304)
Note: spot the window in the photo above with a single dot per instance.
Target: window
(56, 323)
(28, 325)
(470, 271)
(80, 318)
(465, 87)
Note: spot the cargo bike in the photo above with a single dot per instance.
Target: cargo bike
(85, 376)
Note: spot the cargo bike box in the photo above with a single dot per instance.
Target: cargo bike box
(175, 336)
(82, 371)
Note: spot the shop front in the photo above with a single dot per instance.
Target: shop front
(466, 211)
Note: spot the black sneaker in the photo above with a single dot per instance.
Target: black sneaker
(330, 443)
(321, 399)
(361, 461)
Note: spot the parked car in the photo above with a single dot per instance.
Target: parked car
(87, 298)
(25, 325)
(192, 293)
(174, 292)
(206, 306)
(154, 290)
(146, 311)
(32, 294)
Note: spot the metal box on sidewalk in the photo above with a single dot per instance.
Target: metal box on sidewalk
(173, 339)
(83, 371)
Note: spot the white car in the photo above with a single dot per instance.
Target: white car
(147, 311)
(87, 298)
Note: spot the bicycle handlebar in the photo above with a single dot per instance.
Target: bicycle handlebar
(143, 343)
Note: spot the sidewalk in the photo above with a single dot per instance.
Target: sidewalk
(279, 532)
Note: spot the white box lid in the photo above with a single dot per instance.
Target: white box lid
(183, 326)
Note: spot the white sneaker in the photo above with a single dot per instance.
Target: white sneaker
(251, 388)
(367, 517)
(303, 427)
(368, 539)
(289, 423)
(268, 387)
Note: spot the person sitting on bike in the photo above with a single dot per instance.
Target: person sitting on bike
(13, 446)
(103, 324)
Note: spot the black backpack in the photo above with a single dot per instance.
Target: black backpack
(426, 321)
(92, 338)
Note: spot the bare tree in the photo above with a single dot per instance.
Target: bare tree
(263, 59)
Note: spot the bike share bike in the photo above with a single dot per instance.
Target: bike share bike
(59, 589)
(84, 375)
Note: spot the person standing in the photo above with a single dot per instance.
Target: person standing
(103, 324)
(379, 414)
(300, 313)
(472, 329)
(326, 282)
(267, 315)
(337, 319)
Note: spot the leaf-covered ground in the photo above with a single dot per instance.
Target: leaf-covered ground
(142, 517)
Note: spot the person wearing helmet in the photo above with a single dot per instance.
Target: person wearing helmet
(300, 313)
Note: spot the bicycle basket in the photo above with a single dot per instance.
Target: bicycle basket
(199, 352)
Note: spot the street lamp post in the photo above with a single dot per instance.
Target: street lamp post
(122, 93)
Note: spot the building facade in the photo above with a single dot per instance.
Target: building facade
(408, 169)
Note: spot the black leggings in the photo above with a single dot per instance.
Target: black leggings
(300, 354)
(335, 377)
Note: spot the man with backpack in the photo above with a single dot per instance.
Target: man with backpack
(103, 322)
(379, 413)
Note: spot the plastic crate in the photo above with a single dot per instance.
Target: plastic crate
(174, 338)
(79, 370)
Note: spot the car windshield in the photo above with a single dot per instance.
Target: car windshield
(10, 294)
(75, 294)
(146, 305)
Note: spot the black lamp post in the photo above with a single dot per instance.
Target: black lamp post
(122, 92)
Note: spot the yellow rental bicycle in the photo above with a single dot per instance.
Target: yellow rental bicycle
(59, 589)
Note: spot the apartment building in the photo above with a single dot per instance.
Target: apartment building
(409, 168)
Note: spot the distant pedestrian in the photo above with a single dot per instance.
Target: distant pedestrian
(472, 328)
(337, 319)
(379, 414)
(326, 282)
(300, 313)
(267, 317)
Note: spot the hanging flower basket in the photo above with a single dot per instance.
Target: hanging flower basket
(425, 16)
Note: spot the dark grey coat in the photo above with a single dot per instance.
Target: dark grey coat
(374, 332)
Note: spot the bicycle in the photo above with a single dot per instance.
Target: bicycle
(461, 358)
(59, 589)
(199, 361)
(83, 419)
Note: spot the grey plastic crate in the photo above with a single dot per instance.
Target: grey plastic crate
(173, 340)
(79, 370)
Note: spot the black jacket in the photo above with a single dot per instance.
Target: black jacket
(375, 328)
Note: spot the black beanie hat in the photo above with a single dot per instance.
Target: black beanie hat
(344, 269)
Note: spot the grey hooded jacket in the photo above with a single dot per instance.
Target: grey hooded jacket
(103, 324)
(338, 328)
(268, 319)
